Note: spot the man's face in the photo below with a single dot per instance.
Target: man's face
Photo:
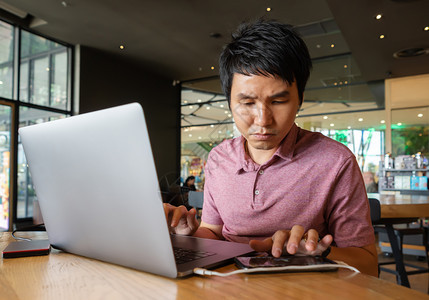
(264, 109)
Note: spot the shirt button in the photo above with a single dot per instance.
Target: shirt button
(261, 172)
(257, 192)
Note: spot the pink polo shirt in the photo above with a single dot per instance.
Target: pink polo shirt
(311, 181)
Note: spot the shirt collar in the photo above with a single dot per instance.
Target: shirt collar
(285, 151)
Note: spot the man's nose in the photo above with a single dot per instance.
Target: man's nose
(263, 116)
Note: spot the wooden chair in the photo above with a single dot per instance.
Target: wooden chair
(396, 236)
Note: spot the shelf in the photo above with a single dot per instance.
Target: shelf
(404, 170)
(408, 192)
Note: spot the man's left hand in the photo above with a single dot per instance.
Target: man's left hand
(293, 241)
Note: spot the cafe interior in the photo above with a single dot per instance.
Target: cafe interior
(368, 89)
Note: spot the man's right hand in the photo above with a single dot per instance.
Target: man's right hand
(180, 220)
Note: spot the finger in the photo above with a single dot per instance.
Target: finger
(167, 211)
(312, 240)
(326, 241)
(295, 238)
(279, 241)
(178, 213)
(261, 246)
(191, 219)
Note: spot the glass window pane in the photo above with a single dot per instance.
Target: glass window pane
(5, 164)
(23, 82)
(363, 133)
(59, 84)
(6, 60)
(40, 78)
(44, 72)
(410, 131)
(26, 193)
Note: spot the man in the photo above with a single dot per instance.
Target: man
(278, 187)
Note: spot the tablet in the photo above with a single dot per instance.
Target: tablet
(296, 263)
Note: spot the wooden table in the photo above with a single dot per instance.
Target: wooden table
(403, 206)
(65, 276)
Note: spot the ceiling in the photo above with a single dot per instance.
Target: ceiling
(174, 37)
(182, 39)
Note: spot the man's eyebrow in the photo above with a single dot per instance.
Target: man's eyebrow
(242, 96)
(280, 94)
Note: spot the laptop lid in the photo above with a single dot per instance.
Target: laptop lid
(98, 191)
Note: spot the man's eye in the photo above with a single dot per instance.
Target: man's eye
(247, 103)
(278, 102)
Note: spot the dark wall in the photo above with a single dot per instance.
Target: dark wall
(107, 80)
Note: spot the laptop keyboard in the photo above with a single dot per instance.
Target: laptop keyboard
(186, 255)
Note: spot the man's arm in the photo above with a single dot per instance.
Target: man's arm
(364, 258)
(209, 231)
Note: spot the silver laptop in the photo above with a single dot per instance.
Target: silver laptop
(97, 186)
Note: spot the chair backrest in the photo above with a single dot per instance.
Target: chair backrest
(375, 210)
(196, 199)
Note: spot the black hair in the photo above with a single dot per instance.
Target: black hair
(267, 48)
(189, 179)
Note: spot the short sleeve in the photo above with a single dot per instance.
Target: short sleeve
(347, 211)
(210, 214)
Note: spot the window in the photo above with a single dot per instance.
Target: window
(43, 72)
(410, 131)
(6, 60)
(42, 94)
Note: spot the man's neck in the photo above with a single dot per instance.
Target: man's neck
(259, 156)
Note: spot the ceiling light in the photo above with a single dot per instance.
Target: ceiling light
(208, 107)
(399, 124)
(199, 138)
(268, 8)
(190, 135)
(378, 17)
(185, 101)
(332, 45)
(186, 129)
(382, 121)
(226, 111)
(121, 47)
(229, 115)
(345, 66)
(360, 119)
(1, 82)
(199, 100)
(47, 69)
(420, 115)
(222, 105)
(332, 124)
(191, 107)
(318, 46)
(335, 83)
(211, 126)
(381, 36)
(212, 68)
(426, 28)
(325, 117)
(219, 131)
(349, 127)
(345, 82)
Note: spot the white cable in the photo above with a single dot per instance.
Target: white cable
(201, 271)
